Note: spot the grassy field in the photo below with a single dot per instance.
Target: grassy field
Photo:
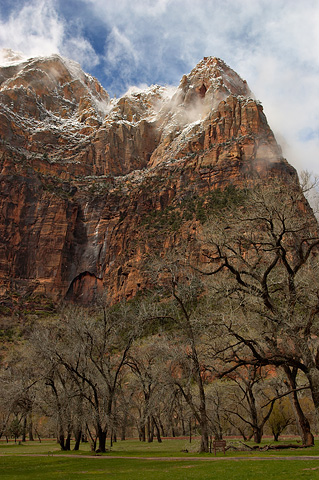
(168, 448)
(58, 468)
(34, 460)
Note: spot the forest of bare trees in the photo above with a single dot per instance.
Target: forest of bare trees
(224, 342)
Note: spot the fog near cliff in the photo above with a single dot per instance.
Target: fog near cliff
(273, 44)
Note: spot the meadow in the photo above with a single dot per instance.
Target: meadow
(133, 460)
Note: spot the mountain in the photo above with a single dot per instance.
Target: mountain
(91, 186)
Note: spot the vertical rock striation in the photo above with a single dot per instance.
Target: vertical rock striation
(90, 186)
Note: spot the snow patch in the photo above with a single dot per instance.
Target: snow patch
(9, 57)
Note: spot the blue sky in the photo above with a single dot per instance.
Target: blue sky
(273, 44)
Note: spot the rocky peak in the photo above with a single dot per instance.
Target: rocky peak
(91, 186)
(210, 82)
(198, 95)
(49, 108)
(213, 75)
(137, 104)
(58, 84)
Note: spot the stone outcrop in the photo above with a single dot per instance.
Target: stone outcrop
(90, 186)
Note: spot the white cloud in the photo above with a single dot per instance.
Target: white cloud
(37, 29)
(120, 47)
(79, 49)
(273, 44)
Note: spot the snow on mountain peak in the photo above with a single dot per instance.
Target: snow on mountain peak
(212, 76)
(60, 85)
(10, 57)
(56, 96)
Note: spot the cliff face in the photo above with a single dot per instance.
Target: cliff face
(91, 185)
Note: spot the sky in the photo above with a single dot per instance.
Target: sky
(273, 44)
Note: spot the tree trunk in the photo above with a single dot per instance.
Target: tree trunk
(257, 429)
(102, 440)
(77, 435)
(91, 439)
(61, 440)
(150, 430)
(276, 436)
(306, 435)
(38, 435)
(67, 445)
(143, 433)
(258, 434)
(24, 430)
(204, 441)
(162, 428)
(158, 433)
(123, 427)
(183, 425)
(31, 438)
(243, 434)
(313, 377)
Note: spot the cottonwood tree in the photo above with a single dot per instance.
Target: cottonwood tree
(218, 396)
(146, 363)
(17, 379)
(301, 418)
(248, 395)
(178, 304)
(281, 417)
(61, 386)
(92, 349)
(124, 406)
(262, 261)
(57, 393)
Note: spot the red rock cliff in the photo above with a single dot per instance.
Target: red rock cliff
(90, 186)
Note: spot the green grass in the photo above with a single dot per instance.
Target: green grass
(168, 448)
(18, 463)
(58, 468)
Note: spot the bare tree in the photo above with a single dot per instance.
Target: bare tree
(146, 363)
(302, 420)
(17, 398)
(175, 280)
(92, 348)
(262, 259)
(248, 393)
(281, 417)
